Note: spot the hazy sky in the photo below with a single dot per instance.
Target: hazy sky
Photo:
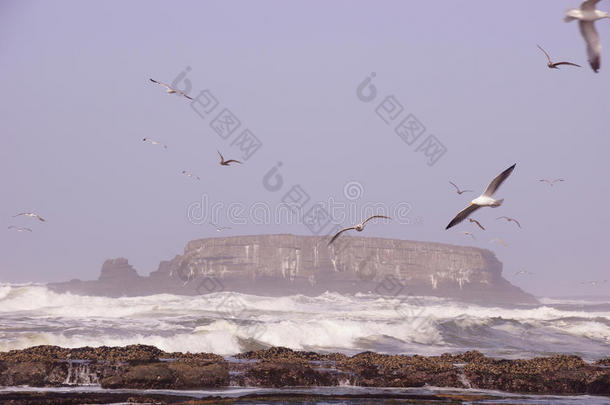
(76, 103)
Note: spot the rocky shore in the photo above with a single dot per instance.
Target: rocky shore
(146, 367)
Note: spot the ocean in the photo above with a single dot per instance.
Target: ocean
(229, 323)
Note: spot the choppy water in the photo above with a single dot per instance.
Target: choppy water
(228, 323)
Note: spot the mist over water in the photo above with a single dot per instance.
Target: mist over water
(33, 315)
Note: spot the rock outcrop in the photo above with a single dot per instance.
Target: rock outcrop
(146, 367)
(290, 264)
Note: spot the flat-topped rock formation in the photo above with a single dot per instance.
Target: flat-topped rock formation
(291, 264)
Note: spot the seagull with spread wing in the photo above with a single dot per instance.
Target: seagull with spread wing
(224, 162)
(153, 142)
(31, 215)
(219, 228)
(476, 222)
(170, 90)
(358, 228)
(498, 240)
(18, 229)
(509, 219)
(550, 182)
(469, 234)
(554, 65)
(586, 15)
(191, 175)
(457, 189)
(523, 272)
(484, 200)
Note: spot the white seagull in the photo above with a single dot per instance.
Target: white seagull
(153, 142)
(31, 215)
(19, 229)
(509, 219)
(469, 234)
(457, 189)
(498, 240)
(219, 228)
(550, 182)
(359, 227)
(170, 90)
(191, 175)
(524, 272)
(485, 199)
(586, 16)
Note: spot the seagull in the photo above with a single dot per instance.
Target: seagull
(469, 234)
(224, 162)
(550, 183)
(498, 240)
(554, 65)
(19, 229)
(31, 215)
(485, 199)
(153, 142)
(457, 189)
(219, 228)
(586, 16)
(594, 283)
(524, 272)
(191, 175)
(509, 219)
(359, 227)
(476, 222)
(170, 90)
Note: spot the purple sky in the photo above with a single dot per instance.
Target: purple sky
(76, 103)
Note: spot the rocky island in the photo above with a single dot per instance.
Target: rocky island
(277, 265)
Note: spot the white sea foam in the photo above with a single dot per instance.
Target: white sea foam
(221, 322)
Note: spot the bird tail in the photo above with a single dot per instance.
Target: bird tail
(499, 202)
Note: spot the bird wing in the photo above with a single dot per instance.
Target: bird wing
(556, 180)
(495, 183)
(516, 222)
(340, 232)
(232, 161)
(21, 213)
(184, 94)
(476, 222)
(456, 187)
(594, 48)
(547, 55)
(462, 215)
(220, 154)
(161, 84)
(566, 63)
(40, 218)
(588, 5)
(374, 216)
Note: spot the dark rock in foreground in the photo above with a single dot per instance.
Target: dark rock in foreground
(146, 367)
(276, 265)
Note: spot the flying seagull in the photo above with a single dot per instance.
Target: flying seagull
(586, 16)
(476, 222)
(191, 175)
(224, 162)
(469, 234)
(594, 283)
(31, 215)
(509, 219)
(19, 229)
(524, 272)
(498, 240)
(550, 182)
(219, 228)
(359, 227)
(153, 142)
(485, 199)
(457, 189)
(554, 65)
(170, 90)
